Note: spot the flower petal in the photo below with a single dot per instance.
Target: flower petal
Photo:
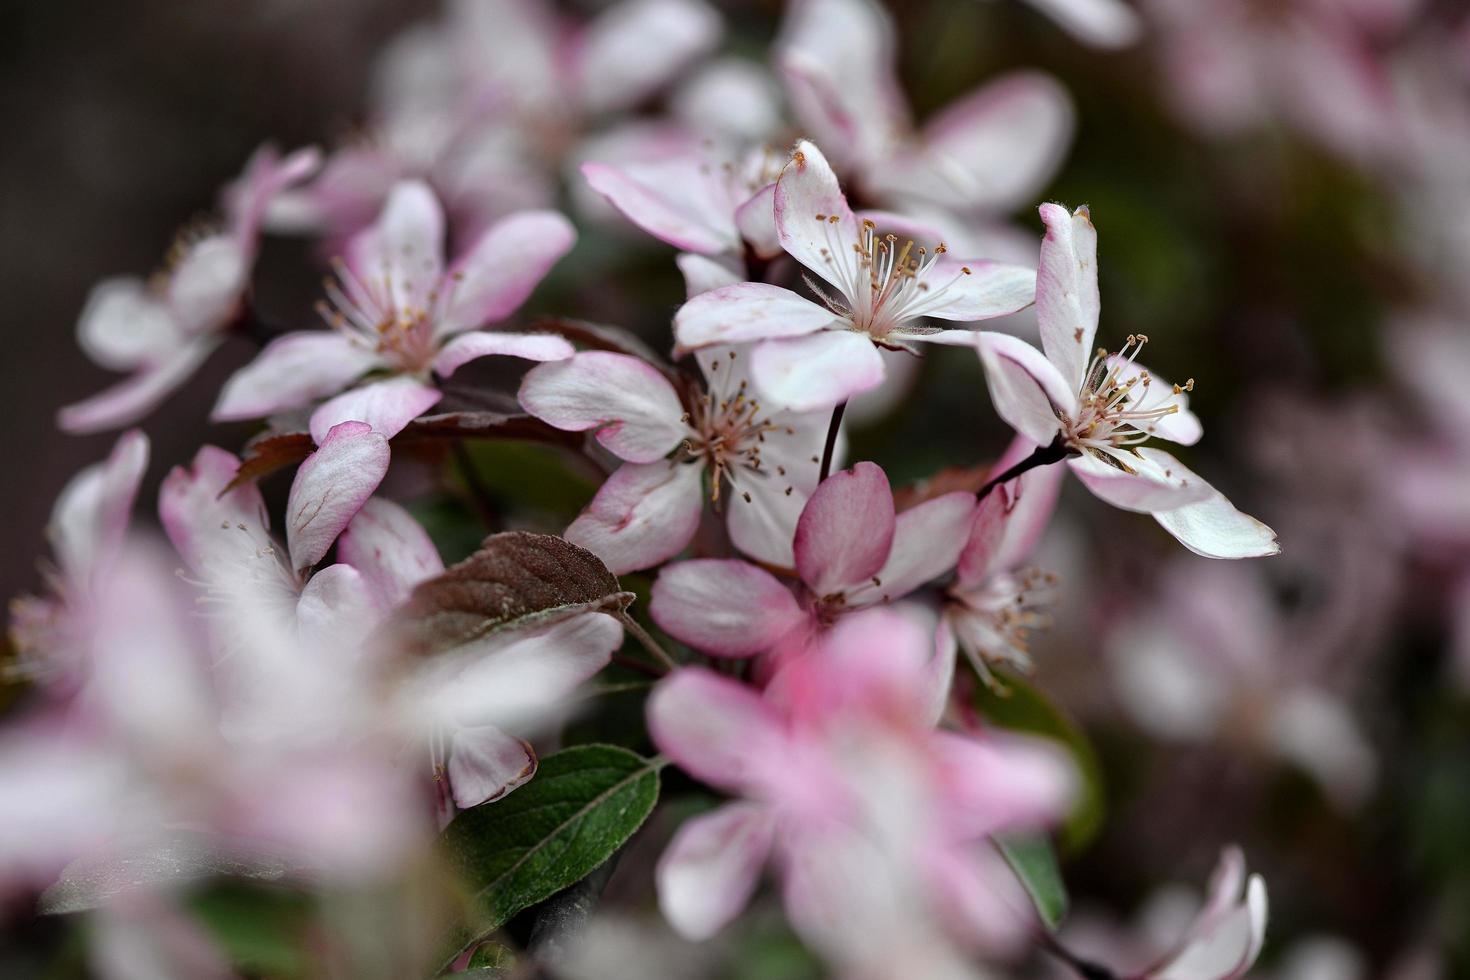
(712, 866)
(644, 514)
(702, 273)
(633, 407)
(1183, 426)
(1067, 303)
(211, 529)
(637, 46)
(1100, 23)
(386, 406)
(124, 325)
(336, 612)
(1025, 388)
(292, 371)
(503, 267)
(846, 531)
(91, 515)
(682, 201)
(391, 550)
(756, 219)
(205, 286)
(722, 607)
(746, 311)
(976, 289)
(927, 541)
(1011, 519)
(813, 221)
(485, 763)
(1212, 527)
(805, 374)
(1002, 782)
(1146, 486)
(484, 343)
(330, 488)
(128, 401)
(404, 247)
(714, 728)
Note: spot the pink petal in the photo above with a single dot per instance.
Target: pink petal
(807, 189)
(330, 488)
(405, 246)
(702, 273)
(1212, 527)
(1025, 388)
(207, 526)
(637, 46)
(633, 407)
(977, 289)
(391, 550)
(734, 96)
(485, 763)
(846, 531)
(756, 219)
(682, 201)
(746, 311)
(124, 325)
(483, 343)
(1067, 301)
(1100, 23)
(646, 513)
(204, 288)
(128, 401)
(1183, 426)
(91, 515)
(266, 175)
(714, 728)
(503, 267)
(712, 866)
(1147, 485)
(805, 374)
(1002, 783)
(337, 610)
(723, 608)
(1226, 938)
(292, 371)
(1011, 519)
(927, 541)
(386, 406)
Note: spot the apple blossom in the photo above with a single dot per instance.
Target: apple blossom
(162, 329)
(396, 309)
(1227, 935)
(1097, 414)
(851, 551)
(761, 464)
(814, 355)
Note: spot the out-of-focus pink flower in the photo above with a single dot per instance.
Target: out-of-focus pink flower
(1227, 935)
(841, 776)
(89, 523)
(395, 308)
(1100, 23)
(1311, 64)
(1213, 658)
(1102, 410)
(812, 355)
(163, 328)
(994, 605)
(851, 551)
(761, 464)
(989, 152)
(485, 104)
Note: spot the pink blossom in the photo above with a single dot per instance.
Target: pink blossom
(163, 328)
(851, 551)
(839, 776)
(990, 151)
(1227, 935)
(1100, 23)
(396, 309)
(760, 464)
(1101, 411)
(812, 355)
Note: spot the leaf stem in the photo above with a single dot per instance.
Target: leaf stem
(1042, 456)
(649, 643)
(484, 501)
(831, 445)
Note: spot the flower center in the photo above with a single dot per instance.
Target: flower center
(995, 619)
(888, 283)
(391, 322)
(730, 431)
(1118, 405)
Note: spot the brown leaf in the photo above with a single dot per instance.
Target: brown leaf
(486, 425)
(268, 452)
(516, 579)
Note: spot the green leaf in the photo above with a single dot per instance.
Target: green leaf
(583, 805)
(1035, 863)
(1021, 707)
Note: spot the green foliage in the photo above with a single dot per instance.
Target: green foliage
(1035, 863)
(583, 805)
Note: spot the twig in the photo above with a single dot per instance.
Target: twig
(1043, 456)
(652, 670)
(831, 441)
(649, 643)
(1085, 969)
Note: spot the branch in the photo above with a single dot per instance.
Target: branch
(1043, 456)
(831, 441)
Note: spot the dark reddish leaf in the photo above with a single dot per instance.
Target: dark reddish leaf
(948, 480)
(271, 451)
(515, 579)
(486, 425)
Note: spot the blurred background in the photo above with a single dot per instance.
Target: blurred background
(1284, 229)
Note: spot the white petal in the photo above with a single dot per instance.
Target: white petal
(712, 866)
(1025, 388)
(646, 513)
(805, 374)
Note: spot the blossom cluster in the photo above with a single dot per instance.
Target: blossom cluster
(331, 707)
